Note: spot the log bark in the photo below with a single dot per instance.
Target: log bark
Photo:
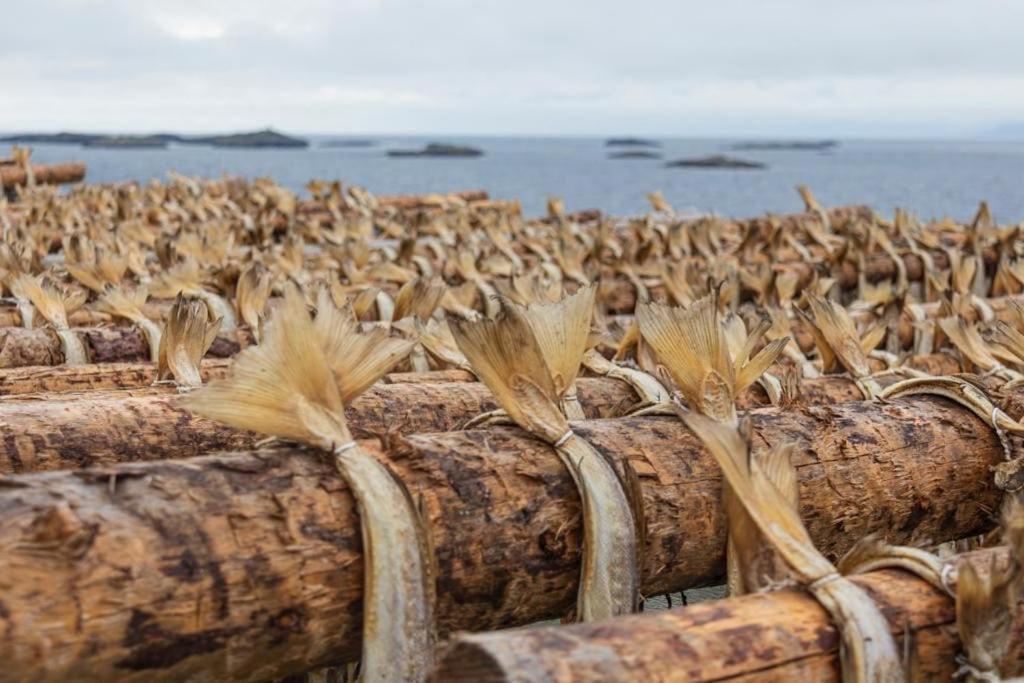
(71, 430)
(248, 566)
(411, 202)
(782, 635)
(45, 174)
(77, 430)
(59, 379)
(20, 347)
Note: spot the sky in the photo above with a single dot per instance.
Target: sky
(871, 68)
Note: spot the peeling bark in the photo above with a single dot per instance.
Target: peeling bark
(781, 635)
(61, 378)
(44, 174)
(70, 430)
(248, 566)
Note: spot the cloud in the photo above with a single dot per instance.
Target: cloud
(483, 66)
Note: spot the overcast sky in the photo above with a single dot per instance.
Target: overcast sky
(911, 68)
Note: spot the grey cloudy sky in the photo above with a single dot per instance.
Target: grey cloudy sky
(666, 67)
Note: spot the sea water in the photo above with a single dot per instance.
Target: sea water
(931, 178)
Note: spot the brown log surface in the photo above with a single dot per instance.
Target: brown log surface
(68, 378)
(84, 429)
(20, 347)
(781, 635)
(45, 174)
(58, 379)
(103, 426)
(248, 566)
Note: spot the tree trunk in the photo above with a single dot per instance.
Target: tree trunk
(45, 174)
(106, 427)
(58, 431)
(60, 379)
(781, 635)
(248, 566)
(95, 376)
(411, 202)
(20, 347)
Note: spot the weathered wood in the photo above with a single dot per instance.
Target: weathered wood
(79, 429)
(57, 379)
(411, 202)
(72, 430)
(64, 378)
(45, 174)
(781, 635)
(248, 566)
(21, 347)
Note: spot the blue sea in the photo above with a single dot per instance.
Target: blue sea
(933, 179)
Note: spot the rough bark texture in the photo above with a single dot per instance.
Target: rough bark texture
(411, 202)
(57, 431)
(779, 636)
(41, 346)
(429, 377)
(249, 566)
(72, 430)
(45, 174)
(65, 378)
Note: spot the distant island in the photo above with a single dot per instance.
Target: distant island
(631, 142)
(800, 145)
(257, 139)
(436, 149)
(261, 138)
(635, 154)
(348, 143)
(716, 161)
(127, 142)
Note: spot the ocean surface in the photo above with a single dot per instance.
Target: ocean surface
(933, 179)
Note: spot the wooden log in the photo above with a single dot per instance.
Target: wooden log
(71, 430)
(781, 635)
(411, 202)
(248, 566)
(64, 378)
(20, 347)
(45, 174)
(59, 379)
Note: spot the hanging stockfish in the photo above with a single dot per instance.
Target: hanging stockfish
(839, 344)
(647, 387)
(127, 303)
(415, 303)
(186, 278)
(691, 345)
(529, 358)
(187, 336)
(295, 385)
(986, 604)
(711, 370)
(26, 311)
(252, 292)
(465, 263)
(55, 306)
(967, 340)
(868, 651)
